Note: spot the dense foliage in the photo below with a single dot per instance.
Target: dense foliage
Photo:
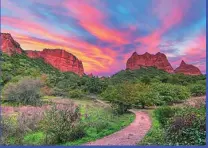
(26, 80)
(65, 124)
(177, 126)
(187, 127)
(26, 91)
(62, 124)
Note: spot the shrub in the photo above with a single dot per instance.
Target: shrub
(8, 128)
(156, 134)
(187, 127)
(95, 85)
(122, 96)
(62, 123)
(15, 127)
(163, 114)
(34, 138)
(26, 91)
(169, 93)
(146, 96)
(59, 92)
(146, 80)
(76, 93)
(197, 89)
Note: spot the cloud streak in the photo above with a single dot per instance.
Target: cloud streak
(104, 34)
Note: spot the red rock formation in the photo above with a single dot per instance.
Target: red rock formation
(102, 78)
(59, 59)
(187, 69)
(9, 45)
(90, 75)
(159, 61)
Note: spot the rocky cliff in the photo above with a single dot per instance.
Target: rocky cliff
(59, 59)
(9, 45)
(187, 69)
(158, 60)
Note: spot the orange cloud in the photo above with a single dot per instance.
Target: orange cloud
(94, 58)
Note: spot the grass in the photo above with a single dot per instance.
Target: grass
(9, 103)
(101, 121)
(98, 118)
(156, 134)
(34, 138)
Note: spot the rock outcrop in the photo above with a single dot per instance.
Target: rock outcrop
(187, 69)
(59, 59)
(159, 61)
(9, 45)
(90, 75)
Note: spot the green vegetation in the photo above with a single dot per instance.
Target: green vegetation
(26, 81)
(156, 134)
(198, 89)
(26, 92)
(63, 124)
(177, 126)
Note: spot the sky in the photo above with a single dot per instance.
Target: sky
(103, 34)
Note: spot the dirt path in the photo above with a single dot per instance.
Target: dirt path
(130, 135)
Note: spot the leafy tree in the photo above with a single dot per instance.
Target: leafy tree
(122, 96)
(145, 80)
(197, 89)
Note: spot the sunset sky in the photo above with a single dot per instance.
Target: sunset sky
(103, 34)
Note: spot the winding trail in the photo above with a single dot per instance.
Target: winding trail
(131, 134)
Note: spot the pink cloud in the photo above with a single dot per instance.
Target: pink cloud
(170, 13)
(93, 20)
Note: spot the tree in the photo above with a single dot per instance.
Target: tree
(145, 80)
(122, 96)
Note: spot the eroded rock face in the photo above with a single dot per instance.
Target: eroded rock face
(159, 61)
(187, 69)
(59, 59)
(9, 45)
(90, 75)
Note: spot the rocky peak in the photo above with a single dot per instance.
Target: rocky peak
(90, 75)
(59, 59)
(182, 63)
(134, 54)
(9, 45)
(159, 61)
(187, 69)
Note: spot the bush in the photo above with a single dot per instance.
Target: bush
(145, 95)
(121, 96)
(146, 80)
(15, 127)
(26, 91)
(169, 93)
(8, 128)
(187, 127)
(59, 92)
(156, 135)
(197, 89)
(76, 93)
(163, 114)
(62, 123)
(95, 85)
